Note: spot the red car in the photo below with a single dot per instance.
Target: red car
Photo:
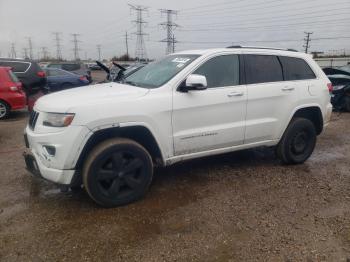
(12, 97)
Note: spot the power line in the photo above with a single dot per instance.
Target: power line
(13, 50)
(140, 52)
(307, 41)
(170, 26)
(58, 45)
(76, 46)
(99, 52)
(25, 52)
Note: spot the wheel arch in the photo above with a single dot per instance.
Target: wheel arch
(313, 113)
(138, 133)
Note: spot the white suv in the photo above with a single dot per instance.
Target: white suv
(190, 104)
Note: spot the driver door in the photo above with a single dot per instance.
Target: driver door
(212, 118)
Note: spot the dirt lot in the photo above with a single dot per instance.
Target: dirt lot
(241, 206)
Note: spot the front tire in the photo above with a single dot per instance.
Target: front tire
(4, 110)
(117, 172)
(298, 142)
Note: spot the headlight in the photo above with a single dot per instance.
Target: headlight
(57, 119)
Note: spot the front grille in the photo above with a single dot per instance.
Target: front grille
(32, 119)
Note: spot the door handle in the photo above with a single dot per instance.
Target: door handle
(235, 94)
(288, 88)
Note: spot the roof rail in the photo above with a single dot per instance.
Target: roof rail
(262, 47)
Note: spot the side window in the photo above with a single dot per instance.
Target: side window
(17, 67)
(262, 69)
(70, 67)
(296, 69)
(220, 71)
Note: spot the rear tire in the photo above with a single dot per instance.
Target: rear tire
(117, 171)
(298, 142)
(4, 110)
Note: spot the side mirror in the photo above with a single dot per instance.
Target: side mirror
(196, 82)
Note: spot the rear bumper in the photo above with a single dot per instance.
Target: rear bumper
(17, 100)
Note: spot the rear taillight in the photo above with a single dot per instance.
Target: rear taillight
(41, 74)
(83, 78)
(330, 87)
(14, 88)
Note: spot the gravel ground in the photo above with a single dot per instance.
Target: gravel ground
(242, 206)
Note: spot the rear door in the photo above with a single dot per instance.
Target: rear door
(270, 99)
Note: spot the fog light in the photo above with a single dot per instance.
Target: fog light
(51, 150)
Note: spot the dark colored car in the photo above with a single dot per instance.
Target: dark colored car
(12, 97)
(58, 79)
(73, 67)
(117, 73)
(29, 72)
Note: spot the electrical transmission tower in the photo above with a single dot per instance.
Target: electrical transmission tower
(13, 50)
(140, 52)
(76, 46)
(127, 44)
(99, 52)
(307, 41)
(30, 47)
(170, 26)
(25, 52)
(45, 53)
(58, 45)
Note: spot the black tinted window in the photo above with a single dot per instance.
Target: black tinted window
(17, 67)
(220, 71)
(70, 67)
(262, 69)
(296, 69)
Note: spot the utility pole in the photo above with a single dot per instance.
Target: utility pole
(58, 45)
(170, 26)
(126, 44)
(99, 52)
(13, 50)
(30, 47)
(307, 41)
(76, 46)
(140, 52)
(45, 53)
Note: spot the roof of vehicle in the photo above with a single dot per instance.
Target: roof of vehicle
(16, 59)
(267, 50)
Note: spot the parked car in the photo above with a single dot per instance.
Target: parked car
(58, 79)
(117, 73)
(340, 78)
(187, 105)
(12, 96)
(31, 75)
(73, 67)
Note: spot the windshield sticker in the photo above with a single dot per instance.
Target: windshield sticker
(181, 60)
(180, 65)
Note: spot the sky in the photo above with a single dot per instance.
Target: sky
(201, 24)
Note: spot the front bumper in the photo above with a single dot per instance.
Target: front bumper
(38, 169)
(59, 166)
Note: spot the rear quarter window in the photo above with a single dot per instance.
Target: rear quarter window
(262, 69)
(296, 69)
(17, 67)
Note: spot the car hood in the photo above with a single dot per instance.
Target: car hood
(68, 100)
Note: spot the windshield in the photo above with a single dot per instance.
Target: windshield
(158, 73)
